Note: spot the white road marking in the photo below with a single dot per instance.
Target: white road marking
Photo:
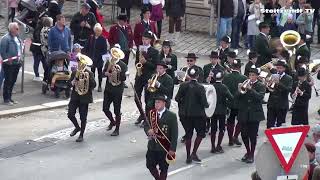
(31, 73)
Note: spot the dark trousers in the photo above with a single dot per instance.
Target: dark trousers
(126, 57)
(218, 118)
(93, 69)
(276, 117)
(10, 77)
(154, 159)
(114, 97)
(236, 29)
(139, 85)
(83, 111)
(159, 26)
(37, 59)
(316, 20)
(249, 133)
(12, 14)
(194, 123)
(233, 131)
(175, 24)
(300, 115)
(127, 12)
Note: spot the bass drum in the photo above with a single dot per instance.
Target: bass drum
(211, 95)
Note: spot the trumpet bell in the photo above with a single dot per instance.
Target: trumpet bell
(117, 53)
(290, 38)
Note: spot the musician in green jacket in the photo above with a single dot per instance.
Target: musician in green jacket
(156, 154)
(250, 112)
(262, 45)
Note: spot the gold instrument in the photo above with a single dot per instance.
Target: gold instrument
(60, 76)
(314, 66)
(113, 67)
(182, 75)
(139, 65)
(289, 40)
(152, 83)
(272, 81)
(243, 88)
(296, 92)
(82, 77)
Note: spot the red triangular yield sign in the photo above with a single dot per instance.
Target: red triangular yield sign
(286, 143)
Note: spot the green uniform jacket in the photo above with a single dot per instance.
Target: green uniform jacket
(109, 87)
(303, 50)
(172, 61)
(149, 68)
(278, 99)
(223, 95)
(263, 50)
(223, 55)
(191, 99)
(231, 81)
(86, 98)
(247, 68)
(208, 68)
(169, 125)
(250, 104)
(201, 76)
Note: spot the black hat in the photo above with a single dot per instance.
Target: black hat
(166, 43)
(148, 34)
(236, 63)
(226, 39)
(214, 54)
(302, 59)
(86, 5)
(252, 55)
(193, 72)
(145, 9)
(162, 98)
(254, 69)
(263, 25)
(301, 72)
(232, 54)
(282, 63)
(191, 55)
(123, 17)
(162, 63)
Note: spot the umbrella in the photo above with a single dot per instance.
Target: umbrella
(58, 55)
(29, 4)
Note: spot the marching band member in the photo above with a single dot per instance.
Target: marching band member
(219, 116)
(250, 112)
(192, 101)
(302, 50)
(231, 81)
(116, 76)
(122, 34)
(156, 155)
(232, 55)
(148, 59)
(210, 69)
(169, 58)
(262, 45)
(162, 84)
(143, 26)
(252, 61)
(278, 103)
(301, 94)
(80, 97)
(191, 62)
(223, 50)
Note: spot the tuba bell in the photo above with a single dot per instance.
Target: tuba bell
(82, 77)
(289, 40)
(152, 83)
(113, 67)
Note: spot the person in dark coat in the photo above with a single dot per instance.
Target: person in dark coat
(219, 115)
(82, 24)
(251, 113)
(315, 4)
(209, 70)
(53, 10)
(278, 103)
(80, 102)
(125, 6)
(191, 62)
(301, 94)
(95, 47)
(303, 50)
(271, 18)
(223, 49)
(169, 58)
(192, 101)
(252, 61)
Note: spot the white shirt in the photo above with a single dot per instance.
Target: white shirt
(253, 82)
(18, 45)
(282, 75)
(317, 153)
(161, 112)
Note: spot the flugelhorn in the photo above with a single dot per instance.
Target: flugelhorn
(244, 86)
(152, 83)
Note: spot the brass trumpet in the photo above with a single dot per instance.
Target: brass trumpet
(244, 86)
(152, 83)
(139, 65)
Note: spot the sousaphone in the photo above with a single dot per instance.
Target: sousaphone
(211, 95)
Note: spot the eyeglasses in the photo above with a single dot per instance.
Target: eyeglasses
(189, 60)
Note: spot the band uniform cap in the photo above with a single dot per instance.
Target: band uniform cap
(166, 43)
(226, 39)
(148, 34)
(214, 54)
(254, 69)
(191, 55)
(162, 98)
(218, 74)
(162, 63)
(232, 54)
(252, 55)
(316, 129)
(193, 72)
(301, 72)
(310, 147)
(77, 46)
(86, 5)
(236, 63)
(122, 17)
(282, 63)
(145, 9)
(263, 25)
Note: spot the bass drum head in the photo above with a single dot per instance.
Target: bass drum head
(268, 165)
(211, 95)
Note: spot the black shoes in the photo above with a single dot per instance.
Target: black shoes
(99, 89)
(115, 133)
(245, 158)
(195, 158)
(213, 150)
(110, 126)
(237, 142)
(80, 139)
(219, 149)
(189, 160)
(74, 132)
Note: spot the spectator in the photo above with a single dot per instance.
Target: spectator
(312, 160)
(157, 14)
(298, 4)
(1, 7)
(47, 24)
(53, 10)
(225, 22)
(316, 139)
(59, 37)
(125, 6)
(304, 22)
(271, 18)
(13, 5)
(239, 15)
(95, 47)
(283, 17)
(253, 21)
(315, 4)
(290, 25)
(175, 10)
(82, 24)
(11, 46)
